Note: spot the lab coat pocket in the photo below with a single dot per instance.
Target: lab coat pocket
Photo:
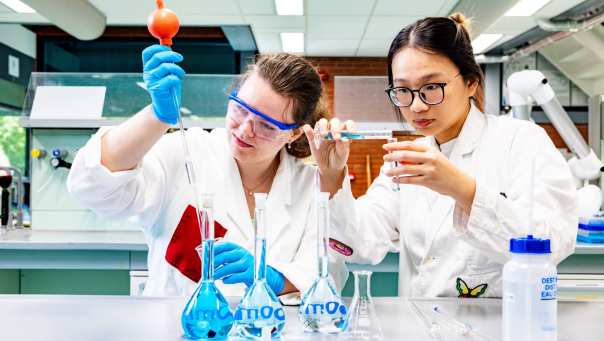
(480, 263)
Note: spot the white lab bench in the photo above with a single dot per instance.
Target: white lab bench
(115, 318)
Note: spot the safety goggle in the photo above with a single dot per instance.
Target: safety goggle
(262, 124)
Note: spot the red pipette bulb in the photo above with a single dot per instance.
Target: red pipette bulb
(163, 24)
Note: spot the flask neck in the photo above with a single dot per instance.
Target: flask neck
(206, 249)
(322, 239)
(259, 245)
(362, 284)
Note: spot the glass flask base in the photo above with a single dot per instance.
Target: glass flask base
(207, 315)
(322, 309)
(259, 311)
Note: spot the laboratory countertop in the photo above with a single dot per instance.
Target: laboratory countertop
(33, 239)
(117, 318)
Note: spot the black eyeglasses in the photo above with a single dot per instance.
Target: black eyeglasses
(430, 94)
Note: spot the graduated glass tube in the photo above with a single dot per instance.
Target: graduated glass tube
(259, 314)
(393, 164)
(362, 321)
(207, 315)
(322, 309)
(365, 135)
(357, 135)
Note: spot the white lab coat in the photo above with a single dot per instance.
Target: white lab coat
(438, 242)
(156, 193)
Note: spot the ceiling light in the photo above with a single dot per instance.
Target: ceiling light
(484, 41)
(526, 8)
(292, 42)
(17, 6)
(289, 7)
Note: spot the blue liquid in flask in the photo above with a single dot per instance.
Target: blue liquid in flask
(259, 314)
(207, 315)
(322, 309)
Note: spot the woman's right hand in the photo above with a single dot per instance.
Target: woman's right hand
(163, 80)
(331, 155)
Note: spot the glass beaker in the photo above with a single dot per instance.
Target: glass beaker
(207, 315)
(362, 321)
(259, 314)
(322, 309)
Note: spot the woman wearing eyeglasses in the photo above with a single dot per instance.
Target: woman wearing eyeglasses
(466, 188)
(136, 170)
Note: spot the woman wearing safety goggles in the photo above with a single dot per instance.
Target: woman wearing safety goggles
(135, 170)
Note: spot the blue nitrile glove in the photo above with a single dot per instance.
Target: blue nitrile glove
(162, 78)
(235, 264)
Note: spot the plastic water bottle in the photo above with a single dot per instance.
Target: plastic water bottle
(529, 292)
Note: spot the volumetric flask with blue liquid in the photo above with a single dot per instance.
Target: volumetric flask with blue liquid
(259, 314)
(322, 309)
(207, 315)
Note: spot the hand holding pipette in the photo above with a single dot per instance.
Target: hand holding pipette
(162, 76)
(163, 81)
(163, 24)
(330, 155)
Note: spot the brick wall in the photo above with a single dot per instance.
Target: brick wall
(361, 151)
(342, 66)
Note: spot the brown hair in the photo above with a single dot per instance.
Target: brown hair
(447, 36)
(295, 78)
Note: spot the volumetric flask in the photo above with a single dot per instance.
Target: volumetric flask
(322, 309)
(207, 315)
(259, 314)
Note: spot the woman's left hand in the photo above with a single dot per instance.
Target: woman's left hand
(425, 166)
(234, 264)
(331, 155)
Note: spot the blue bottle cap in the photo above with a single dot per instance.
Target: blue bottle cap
(529, 245)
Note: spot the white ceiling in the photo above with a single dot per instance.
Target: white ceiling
(331, 27)
(513, 26)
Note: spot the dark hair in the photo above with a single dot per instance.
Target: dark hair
(447, 36)
(295, 78)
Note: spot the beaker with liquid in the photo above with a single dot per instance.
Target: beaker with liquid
(207, 315)
(362, 321)
(259, 314)
(322, 309)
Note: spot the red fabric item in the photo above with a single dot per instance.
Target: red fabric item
(181, 252)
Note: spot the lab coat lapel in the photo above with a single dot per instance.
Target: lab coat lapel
(470, 134)
(467, 141)
(234, 206)
(279, 200)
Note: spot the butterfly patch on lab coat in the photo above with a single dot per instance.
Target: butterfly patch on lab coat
(465, 291)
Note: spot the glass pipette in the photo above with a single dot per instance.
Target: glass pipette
(163, 24)
(364, 135)
(461, 328)
(356, 135)
(431, 326)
